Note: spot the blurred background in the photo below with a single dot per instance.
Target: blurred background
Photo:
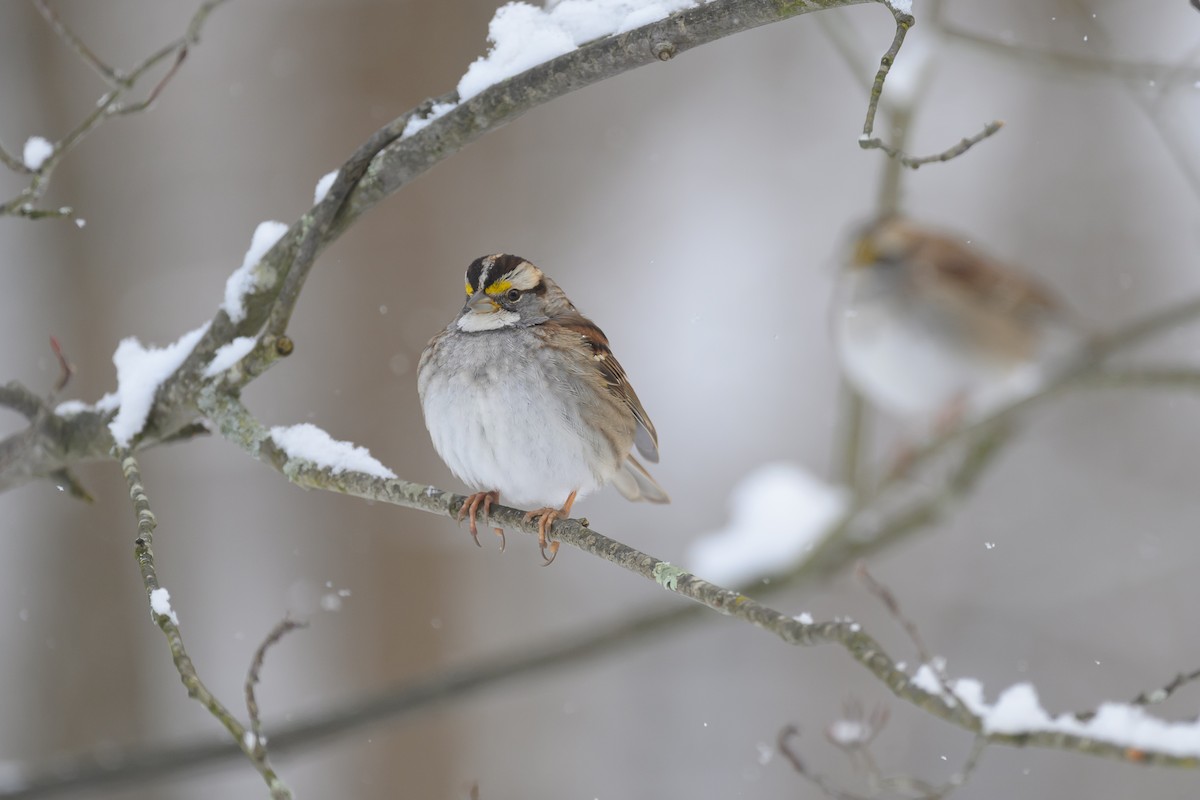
(695, 210)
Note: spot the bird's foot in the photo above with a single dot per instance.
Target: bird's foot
(546, 518)
(470, 509)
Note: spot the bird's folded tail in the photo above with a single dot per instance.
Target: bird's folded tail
(636, 484)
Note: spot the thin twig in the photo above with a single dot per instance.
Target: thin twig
(110, 75)
(66, 368)
(180, 55)
(13, 163)
(281, 629)
(913, 162)
(885, 596)
(783, 743)
(108, 106)
(167, 621)
(1162, 695)
(1155, 697)
(854, 426)
(868, 141)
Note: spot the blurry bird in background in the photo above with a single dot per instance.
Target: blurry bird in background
(930, 330)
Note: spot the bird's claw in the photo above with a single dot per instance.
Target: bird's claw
(470, 509)
(546, 517)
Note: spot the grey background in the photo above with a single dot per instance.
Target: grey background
(695, 211)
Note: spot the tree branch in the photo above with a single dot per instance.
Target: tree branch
(110, 76)
(239, 426)
(108, 106)
(164, 616)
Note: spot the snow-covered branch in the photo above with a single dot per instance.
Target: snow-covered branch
(1014, 718)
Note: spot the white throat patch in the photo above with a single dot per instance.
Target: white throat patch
(488, 321)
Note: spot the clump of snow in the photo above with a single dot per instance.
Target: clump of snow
(229, 354)
(1018, 711)
(903, 6)
(523, 35)
(778, 512)
(243, 281)
(927, 679)
(804, 618)
(327, 181)
(310, 443)
(848, 732)
(140, 371)
(160, 604)
(37, 150)
(69, 408)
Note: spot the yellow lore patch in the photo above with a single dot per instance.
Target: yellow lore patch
(499, 287)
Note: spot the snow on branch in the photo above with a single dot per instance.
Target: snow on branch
(307, 442)
(140, 371)
(1018, 715)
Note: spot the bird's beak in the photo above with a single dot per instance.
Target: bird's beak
(482, 303)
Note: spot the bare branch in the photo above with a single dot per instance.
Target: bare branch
(13, 163)
(110, 75)
(783, 743)
(912, 162)
(868, 141)
(1155, 697)
(283, 628)
(167, 621)
(66, 368)
(108, 106)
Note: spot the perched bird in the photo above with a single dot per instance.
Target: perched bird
(929, 328)
(523, 398)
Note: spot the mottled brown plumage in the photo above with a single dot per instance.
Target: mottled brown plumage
(522, 396)
(925, 322)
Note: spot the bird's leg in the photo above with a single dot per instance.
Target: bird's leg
(470, 508)
(951, 416)
(547, 516)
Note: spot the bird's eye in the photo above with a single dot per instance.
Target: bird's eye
(513, 295)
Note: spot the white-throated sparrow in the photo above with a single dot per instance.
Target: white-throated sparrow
(927, 327)
(523, 398)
